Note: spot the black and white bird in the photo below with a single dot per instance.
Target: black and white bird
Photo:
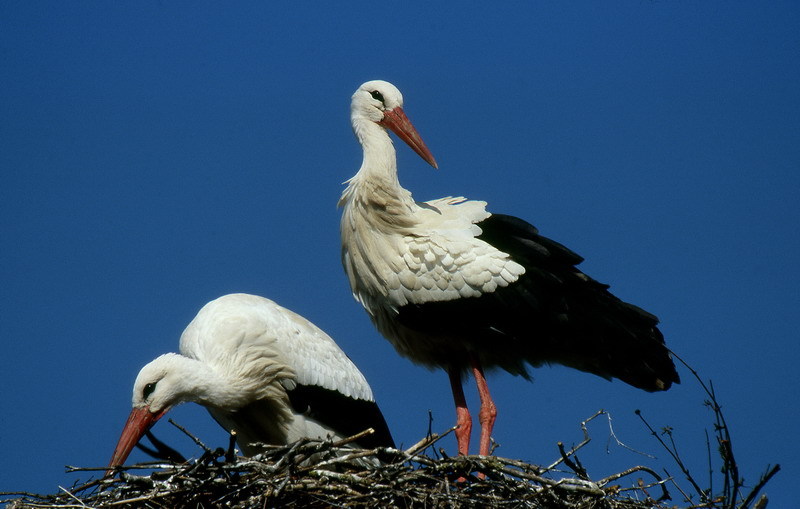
(451, 285)
(262, 371)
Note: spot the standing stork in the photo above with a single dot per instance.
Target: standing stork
(451, 285)
(262, 371)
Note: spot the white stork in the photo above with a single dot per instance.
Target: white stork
(262, 371)
(454, 286)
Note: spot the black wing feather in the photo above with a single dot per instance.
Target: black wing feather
(344, 414)
(553, 314)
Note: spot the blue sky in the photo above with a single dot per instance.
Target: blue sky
(156, 155)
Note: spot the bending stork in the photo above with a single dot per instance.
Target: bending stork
(260, 370)
(451, 285)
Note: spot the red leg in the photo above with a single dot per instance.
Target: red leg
(488, 412)
(463, 419)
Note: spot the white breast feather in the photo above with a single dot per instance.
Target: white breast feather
(440, 259)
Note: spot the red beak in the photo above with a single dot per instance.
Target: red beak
(139, 421)
(396, 120)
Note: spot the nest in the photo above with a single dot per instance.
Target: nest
(312, 473)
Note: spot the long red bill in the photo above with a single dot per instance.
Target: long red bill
(396, 120)
(139, 421)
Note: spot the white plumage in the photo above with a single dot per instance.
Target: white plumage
(260, 370)
(248, 336)
(454, 286)
(397, 251)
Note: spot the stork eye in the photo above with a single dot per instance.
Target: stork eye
(377, 95)
(148, 390)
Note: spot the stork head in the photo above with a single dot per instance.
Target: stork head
(381, 102)
(160, 385)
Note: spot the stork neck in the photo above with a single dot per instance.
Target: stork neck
(380, 158)
(376, 184)
(206, 386)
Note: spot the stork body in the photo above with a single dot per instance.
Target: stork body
(454, 286)
(262, 371)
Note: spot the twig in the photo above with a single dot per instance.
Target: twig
(686, 496)
(732, 482)
(138, 466)
(674, 455)
(72, 496)
(586, 440)
(194, 438)
(764, 480)
(762, 502)
(428, 441)
(710, 463)
(664, 492)
(574, 466)
(620, 442)
(354, 438)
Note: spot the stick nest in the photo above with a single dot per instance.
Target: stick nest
(313, 473)
(326, 474)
